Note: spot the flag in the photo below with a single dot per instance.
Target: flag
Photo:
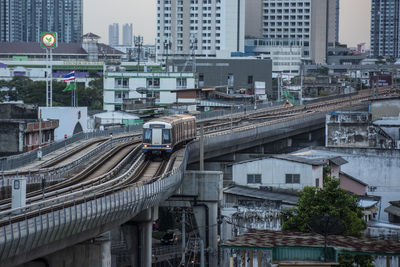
(70, 76)
(70, 87)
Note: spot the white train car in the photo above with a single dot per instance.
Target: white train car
(161, 135)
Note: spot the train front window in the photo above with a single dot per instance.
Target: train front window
(146, 135)
(166, 136)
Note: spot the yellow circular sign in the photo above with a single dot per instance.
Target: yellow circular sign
(48, 40)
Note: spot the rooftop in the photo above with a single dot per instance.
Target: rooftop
(261, 194)
(268, 239)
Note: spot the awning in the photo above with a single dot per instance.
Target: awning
(393, 210)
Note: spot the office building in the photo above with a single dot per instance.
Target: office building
(113, 34)
(313, 23)
(385, 19)
(201, 27)
(24, 20)
(127, 34)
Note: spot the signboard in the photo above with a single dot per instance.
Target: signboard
(381, 78)
(259, 88)
(48, 40)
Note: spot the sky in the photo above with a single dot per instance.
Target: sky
(354, 19)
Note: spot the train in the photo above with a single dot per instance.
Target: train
(162, 135)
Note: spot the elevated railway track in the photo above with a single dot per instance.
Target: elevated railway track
(118, 185)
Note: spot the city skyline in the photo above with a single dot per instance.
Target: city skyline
(98, 14)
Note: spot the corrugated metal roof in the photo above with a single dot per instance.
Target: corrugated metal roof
(261, 194)
(35, 48)
(393, 210)
(267, 239)
(338, 160)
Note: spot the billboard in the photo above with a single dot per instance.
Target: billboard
(381, 78)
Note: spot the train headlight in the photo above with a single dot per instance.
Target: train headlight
(144, 146)
(167, 146)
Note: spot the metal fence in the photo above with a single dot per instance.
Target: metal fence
(12, 162)
(19, 238)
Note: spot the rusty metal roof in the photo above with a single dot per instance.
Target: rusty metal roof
(268, 239)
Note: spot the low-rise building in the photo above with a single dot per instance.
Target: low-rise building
(121, 85)
(22, 131)
(284, 171)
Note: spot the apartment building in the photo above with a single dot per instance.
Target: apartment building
(385, 20)
(24, 20)
(113, 34)
(201, 27)
(119, 86)
(313, 23)
(127, 34)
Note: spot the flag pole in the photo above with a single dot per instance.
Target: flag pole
(76, 89)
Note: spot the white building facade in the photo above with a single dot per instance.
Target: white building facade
(123, 85)
(279, 173)
(204, 27)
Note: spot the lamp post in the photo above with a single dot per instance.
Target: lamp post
(138, 40)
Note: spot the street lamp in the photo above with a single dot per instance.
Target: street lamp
(138, 40)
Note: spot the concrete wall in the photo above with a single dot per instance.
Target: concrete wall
(18, 111)
(253, 22)
(385, 108)
(378, 168)
(353, 129)
(11, 137)
(273, 173)
(215, 72)
(350, 185)
(68, 118)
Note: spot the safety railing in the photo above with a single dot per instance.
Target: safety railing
(59, 173)
(12, 162)
(88, 212)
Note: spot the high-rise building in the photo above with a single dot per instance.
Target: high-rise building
(203, 27)
(127, 34)
(24, 20)
(313, 23)
(385, 28)
(113, 34)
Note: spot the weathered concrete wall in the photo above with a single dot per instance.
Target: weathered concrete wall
(385, 108)
(18, 111)
(348, 129)
(380, 169)
(354, 129)
(10, 138)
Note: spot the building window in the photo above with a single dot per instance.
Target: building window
(292, 178)
(317, 182)
(153, 82)
(181, 82)
(250, 79)
(254, 178)
(121, 83)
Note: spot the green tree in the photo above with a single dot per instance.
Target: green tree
(333, 201)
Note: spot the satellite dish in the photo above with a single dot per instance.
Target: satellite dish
(142, 90)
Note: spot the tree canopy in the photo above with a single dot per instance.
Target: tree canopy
(333, 201)
(34, 92)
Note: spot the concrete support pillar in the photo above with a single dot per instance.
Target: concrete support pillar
(206, 218)
(137, 233)
(96, 252)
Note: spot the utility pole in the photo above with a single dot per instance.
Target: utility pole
(301, 84)
(183, 238)
(201, 147)
(138, 40)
